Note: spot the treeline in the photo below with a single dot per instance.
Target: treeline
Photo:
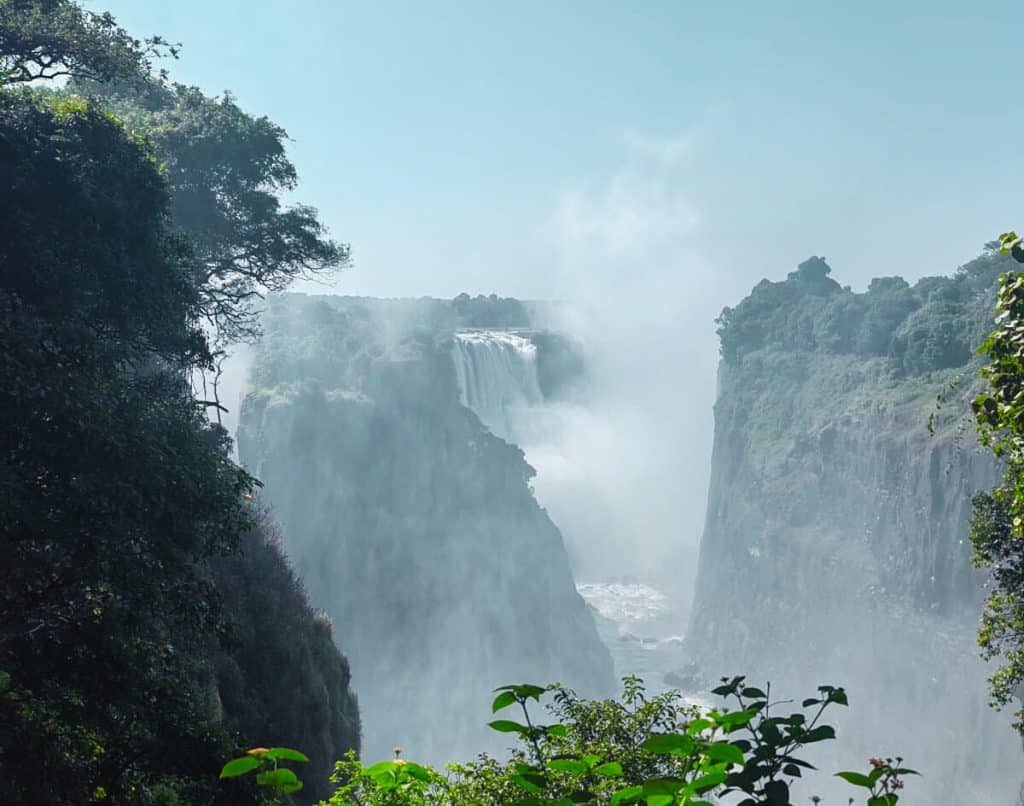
(935, 324)
(139, 225)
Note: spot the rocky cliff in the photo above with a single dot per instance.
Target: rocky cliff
(279, 678)
(411, 523)
(835, 548)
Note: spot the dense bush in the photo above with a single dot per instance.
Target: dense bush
(119, 496)
(932, 325)
(997, 529)
(658, 751)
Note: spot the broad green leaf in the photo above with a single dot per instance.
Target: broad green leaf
(503, 700)
(282, 776)
(723, 751)
(857, 779)
(662, 786)
(531, 782)
(695, 726)
(379, 767)
(416, 771)
(507, 726)
(675, 743)
(570, 765)
(705, 782)
(819, 734)
(611, 769)
(239, 766)
(285, 754)
(631, 794)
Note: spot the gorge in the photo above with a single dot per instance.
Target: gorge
(387, 433)
(411, 523)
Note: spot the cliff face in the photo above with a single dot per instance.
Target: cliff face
(835, 548)
(409, 522)
(281, 680)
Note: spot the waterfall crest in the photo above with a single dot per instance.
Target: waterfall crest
(497, 375)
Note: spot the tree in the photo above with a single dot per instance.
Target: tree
(114, 485)
(118, 494)
(226, 170)
(997, 528)
(46, 39)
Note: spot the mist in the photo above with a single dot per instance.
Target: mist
(623, 461)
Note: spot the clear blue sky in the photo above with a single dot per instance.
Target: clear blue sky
(481, 146)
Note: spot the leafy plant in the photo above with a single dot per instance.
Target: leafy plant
(655, 751)
(883, 780)
(997, 527)
(265, 763)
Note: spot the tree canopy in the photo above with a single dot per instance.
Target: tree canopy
(47, 39)
(932, 325)
(226, 170)
(123, 232)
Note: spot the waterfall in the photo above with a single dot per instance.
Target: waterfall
(497, 375)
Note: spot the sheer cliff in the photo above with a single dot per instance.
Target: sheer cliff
(410, 522)
(280, 679)
(835, 547)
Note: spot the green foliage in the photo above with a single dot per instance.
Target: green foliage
(265, 763)
(279, 672)
(656, 751)
(997, 528)
(930, 326)
(47, 39)
(113, 482)
(226, 170)
(118, 493)
(883, 781)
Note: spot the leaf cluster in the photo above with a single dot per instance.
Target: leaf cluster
(49, 39)
(997, 526)
(656, 751)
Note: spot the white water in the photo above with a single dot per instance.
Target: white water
(497, 375)
(638, 624)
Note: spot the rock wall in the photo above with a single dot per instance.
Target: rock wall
(835, 548)
(280, 680)
(410, 523)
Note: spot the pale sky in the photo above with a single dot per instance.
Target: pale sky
(652, 160)
(483, 146)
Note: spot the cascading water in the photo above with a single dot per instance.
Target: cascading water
(497, 375)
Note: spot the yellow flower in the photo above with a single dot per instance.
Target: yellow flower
(258, 751)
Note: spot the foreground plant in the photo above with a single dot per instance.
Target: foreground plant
(264, 762)
(997, 528)
(657, 751)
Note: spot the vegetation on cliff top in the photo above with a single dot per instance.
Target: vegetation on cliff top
(935, 324)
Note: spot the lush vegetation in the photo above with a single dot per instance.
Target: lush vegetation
(639, 749)
(935, 324)
(119, 495)
(997, 530)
